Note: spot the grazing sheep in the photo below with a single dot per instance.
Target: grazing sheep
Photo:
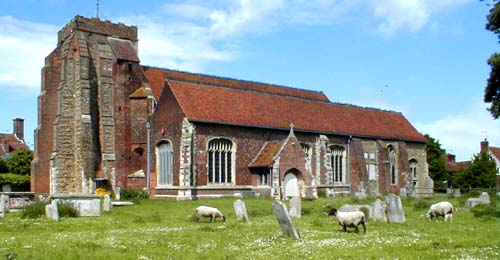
(443, 208)
(211, 212)
(349, 219)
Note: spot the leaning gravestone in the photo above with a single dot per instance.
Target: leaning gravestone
(240, 210)
(295, 207)
(378, 211)
(107, 203)
(395, 212)
(287, 227)
(51, 211)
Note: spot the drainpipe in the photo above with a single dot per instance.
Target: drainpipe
(349, 163)
(148, 161)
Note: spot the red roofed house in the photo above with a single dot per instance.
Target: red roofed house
(11, 142)
(495, 154)
(102, 115)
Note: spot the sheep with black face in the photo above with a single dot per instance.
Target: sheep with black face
(444, 209)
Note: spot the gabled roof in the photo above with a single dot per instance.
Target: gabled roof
(266, 155)
(123, 49)
(495, 151)
(10, 143)
(157, 77)
(246, 107)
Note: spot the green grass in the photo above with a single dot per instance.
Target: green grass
(160, 229)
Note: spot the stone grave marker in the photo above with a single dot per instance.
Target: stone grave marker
(4, 203)
(51, 210)
(378, 211)
(287, 227)
(107, 203)
(402, 192)
(295, 207)
(484, 198)
(395, 212)
(240, 210)
(117, 193)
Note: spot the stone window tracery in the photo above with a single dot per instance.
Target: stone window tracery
(164, 153)
(337, 161)
(413, 171)
(220, 161)
(392, 165)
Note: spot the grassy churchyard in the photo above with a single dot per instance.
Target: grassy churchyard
(161, 229)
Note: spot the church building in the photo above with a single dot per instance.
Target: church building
(106, 121)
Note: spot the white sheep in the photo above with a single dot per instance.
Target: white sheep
(443, 208)
(211, 212)
(349, 219)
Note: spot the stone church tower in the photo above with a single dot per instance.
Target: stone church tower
(89, 84)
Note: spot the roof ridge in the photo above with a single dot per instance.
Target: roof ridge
(366, 107)
(234, 79)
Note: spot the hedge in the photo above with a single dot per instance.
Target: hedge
(15, 179)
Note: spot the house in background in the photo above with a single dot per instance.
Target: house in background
(495, 154)
(105, 120)
(11, 142)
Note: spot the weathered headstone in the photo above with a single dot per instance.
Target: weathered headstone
(51, 210)
(361, 193)
(402, 192)
(378, 211)
(4, 203)
(484, 198)
(107, 203)
(240, 210)
(295, 207)
(287, 227)
(363, 208)
(117, 193)
(395, 212)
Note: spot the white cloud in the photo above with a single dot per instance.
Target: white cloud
(460, 134)
(412, 15)
(23, 47)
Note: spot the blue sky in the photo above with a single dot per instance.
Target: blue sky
(424, 58)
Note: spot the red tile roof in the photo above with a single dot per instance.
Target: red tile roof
(157, 76)
(205, 103)
(266, 155)
(456, 166)
(9, 143)
(495, 151)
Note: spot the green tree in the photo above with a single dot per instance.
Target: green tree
(435, 160)
(492, 90)
(20, 161)
(3, 166)
(480, 174)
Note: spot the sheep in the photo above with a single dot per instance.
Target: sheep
(443, 208)
(349, 219)
(211, 212)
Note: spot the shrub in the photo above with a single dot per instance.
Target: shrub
(14, 179)
(34, 210)
(133, 195)
(422, 204)
(485, 211)
(67, 209)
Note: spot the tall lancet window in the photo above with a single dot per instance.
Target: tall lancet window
(338, 163)
(220, 161)
(392, 164)
(164, 154)
(413, 171)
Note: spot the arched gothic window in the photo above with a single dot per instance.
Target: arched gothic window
(164, 160)
(413, 171)
(392, 164)
(338, 161)
(220, 161)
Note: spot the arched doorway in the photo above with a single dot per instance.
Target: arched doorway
(291, 185)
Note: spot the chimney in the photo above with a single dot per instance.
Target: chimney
(18, 128)
(484, 146)
(450, 157)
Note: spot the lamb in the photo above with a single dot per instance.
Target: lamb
(443, 208)
(349, 219)
(211, 212)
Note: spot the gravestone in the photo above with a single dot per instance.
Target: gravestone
(107, 203)
(378, 211)
(366, 209)
(51, 210)
(484, 198)
(395, 212)
(402, 192)
(361, 194)
(287, 227)
(240, 210)
(117, 193)
(295, 207)
(4, 203)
